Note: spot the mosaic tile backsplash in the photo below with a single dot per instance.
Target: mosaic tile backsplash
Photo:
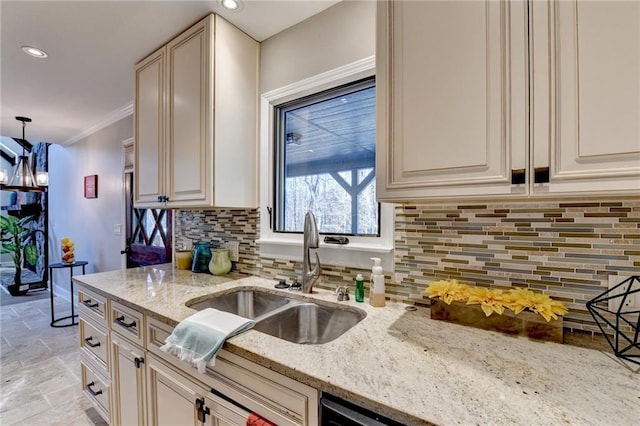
(567, 250)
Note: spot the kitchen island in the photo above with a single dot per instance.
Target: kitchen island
(403, 364)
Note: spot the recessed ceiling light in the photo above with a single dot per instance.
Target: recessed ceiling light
(233, 5)
(35, 52)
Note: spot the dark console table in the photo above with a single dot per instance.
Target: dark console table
(70, 266)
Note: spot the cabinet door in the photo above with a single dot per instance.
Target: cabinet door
(149, 129)
(225, 413)
(128, 382)
(172, 398)
(190, 116)
(586, 68)
(451, 84)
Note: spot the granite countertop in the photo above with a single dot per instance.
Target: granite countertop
(405, 365)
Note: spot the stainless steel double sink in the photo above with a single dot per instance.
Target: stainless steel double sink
(285, 317)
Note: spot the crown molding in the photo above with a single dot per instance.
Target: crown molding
(116, 115)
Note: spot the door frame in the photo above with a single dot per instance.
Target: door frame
(127, 167)
(128, 161)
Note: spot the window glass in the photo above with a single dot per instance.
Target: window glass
(150, 227)
(325, 160)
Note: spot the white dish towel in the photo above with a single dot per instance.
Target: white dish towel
(198, 339)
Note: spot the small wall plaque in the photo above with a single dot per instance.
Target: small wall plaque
(91, 186)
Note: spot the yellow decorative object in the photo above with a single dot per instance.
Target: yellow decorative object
(526, 324)
(448, 291)
(489, 300)
(68, 248)
(495, 300)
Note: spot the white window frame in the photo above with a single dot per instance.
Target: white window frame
(288, 246)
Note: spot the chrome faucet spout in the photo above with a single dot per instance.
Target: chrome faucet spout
(311, 240)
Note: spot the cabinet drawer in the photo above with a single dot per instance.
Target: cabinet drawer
(275, 397)
(95, 341)
(128, 322)
(93, 306)
(97, 390)
(157, 333)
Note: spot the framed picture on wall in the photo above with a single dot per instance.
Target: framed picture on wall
(91, 186)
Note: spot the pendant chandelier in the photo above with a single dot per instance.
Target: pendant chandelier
(22, 178)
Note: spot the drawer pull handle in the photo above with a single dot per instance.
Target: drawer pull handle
(202, 410)
(518, 177)
(88, 342)
(138, 361)
(94, 393)
(120, 320)
(88, 304)
(541, 175)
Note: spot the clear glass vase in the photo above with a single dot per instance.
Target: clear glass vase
(220, 263)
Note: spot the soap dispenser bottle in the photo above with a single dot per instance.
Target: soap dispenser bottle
(376, 294)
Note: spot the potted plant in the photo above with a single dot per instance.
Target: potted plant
(18, 240)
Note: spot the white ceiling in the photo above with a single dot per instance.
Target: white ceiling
(93, 47)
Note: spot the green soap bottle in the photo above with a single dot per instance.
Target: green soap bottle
(359, 288)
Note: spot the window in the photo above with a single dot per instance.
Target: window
(325, 161)
(281, 235)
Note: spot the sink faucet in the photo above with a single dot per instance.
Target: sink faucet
(311, 240)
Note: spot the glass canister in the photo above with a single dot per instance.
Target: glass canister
(184, 259)
(201, 256)
(220, 263)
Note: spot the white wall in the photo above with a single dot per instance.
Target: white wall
(88, 222)
(340, 35)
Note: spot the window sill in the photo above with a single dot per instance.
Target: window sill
(355, 255)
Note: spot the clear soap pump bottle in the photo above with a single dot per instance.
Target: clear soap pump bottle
(376, 294)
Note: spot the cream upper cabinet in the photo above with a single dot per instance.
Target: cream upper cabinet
(508, 98)
(196, 120)
(149, 128)
(586, 92)
(451, 85)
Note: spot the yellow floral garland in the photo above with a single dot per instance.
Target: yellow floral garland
(495, 300)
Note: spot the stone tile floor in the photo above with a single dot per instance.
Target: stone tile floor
(40, 368)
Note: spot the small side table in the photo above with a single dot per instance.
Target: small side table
(73, 315)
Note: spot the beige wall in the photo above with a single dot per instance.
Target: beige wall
(340, 35)
(88, 222)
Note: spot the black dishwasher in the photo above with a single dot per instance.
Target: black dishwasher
(338, 412)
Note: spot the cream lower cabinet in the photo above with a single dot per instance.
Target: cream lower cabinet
(130, 381)
(508, 98)
(196, 120)
(95, 355)
(176, 399)
(173, 398)
(233, 389)
(224, 413)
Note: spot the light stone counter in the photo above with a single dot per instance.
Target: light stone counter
(407, 366)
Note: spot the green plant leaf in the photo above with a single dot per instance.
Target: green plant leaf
(9, 225)
(5, 223)
(9, 248)
(31, 254)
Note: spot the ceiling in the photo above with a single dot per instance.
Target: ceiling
(87, 80)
